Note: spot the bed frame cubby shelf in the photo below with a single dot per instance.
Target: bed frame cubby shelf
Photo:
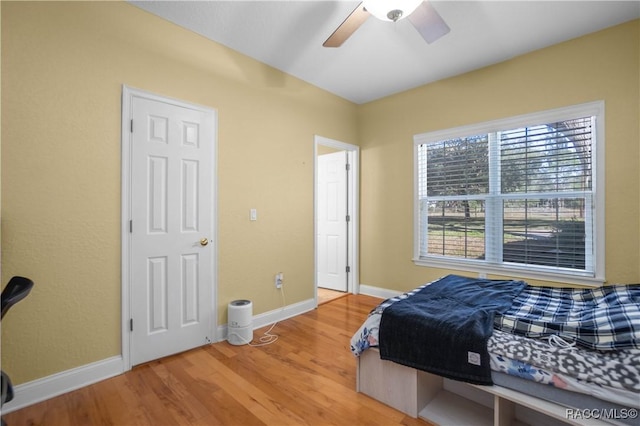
(447, 402)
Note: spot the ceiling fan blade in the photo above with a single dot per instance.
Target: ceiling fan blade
(428, 22)
(348, 27)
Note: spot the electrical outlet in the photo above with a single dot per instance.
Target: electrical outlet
(279, 279)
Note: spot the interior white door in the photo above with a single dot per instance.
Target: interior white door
(332, 221)
(172, 226)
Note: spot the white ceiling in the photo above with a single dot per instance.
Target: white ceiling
(383, 58)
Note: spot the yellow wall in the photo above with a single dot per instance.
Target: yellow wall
(63, 66)
(601, 66)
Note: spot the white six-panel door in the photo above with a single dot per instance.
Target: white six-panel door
(332, 221)
(172, 228)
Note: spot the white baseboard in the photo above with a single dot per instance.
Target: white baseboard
(382, 293)
(66, 381)
(270, 317)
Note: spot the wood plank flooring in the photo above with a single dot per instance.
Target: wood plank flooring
(325, 295)
(307, 377)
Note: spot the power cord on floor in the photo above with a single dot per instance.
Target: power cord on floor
(267, 337)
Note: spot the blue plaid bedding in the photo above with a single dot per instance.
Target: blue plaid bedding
(605, 318)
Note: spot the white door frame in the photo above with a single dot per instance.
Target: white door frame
(353, 151)
(128, 93)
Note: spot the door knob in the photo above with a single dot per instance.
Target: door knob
(204, 241)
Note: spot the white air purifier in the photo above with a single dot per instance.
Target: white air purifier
(240, 322)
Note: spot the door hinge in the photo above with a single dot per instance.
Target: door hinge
(347, 166)
(348, 268)
(132, 125)
(130, 226)
(131, 324)
(348, 218)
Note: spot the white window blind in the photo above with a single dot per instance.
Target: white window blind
(519, 194)
(453, 188)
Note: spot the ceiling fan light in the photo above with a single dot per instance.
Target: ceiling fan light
(387, 10)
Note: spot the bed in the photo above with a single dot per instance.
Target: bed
(506, 346)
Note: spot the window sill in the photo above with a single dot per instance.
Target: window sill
(559, 276)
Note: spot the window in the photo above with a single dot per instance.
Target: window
(515, 196)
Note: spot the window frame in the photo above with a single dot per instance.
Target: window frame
(483, 267)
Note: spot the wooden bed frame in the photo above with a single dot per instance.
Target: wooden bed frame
(447, 402)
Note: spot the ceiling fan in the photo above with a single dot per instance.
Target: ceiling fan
(420, 13)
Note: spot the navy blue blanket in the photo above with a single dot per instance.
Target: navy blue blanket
(444, 328)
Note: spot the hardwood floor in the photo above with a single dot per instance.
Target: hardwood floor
(325, 295)
(307, 377)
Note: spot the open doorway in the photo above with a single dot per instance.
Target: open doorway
(336, 218)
